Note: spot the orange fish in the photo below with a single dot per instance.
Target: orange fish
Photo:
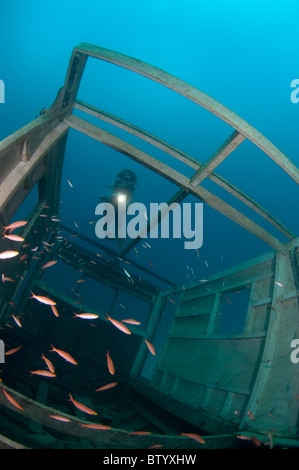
(17, 321)
(15, 225)
(250, 415)
(44, 373)
(119, 325)
(132, 321)
(8, 254)
(229, 301)
(196, 437)
(47, 265)
(12, 400)
(170, 300)
(256, 441)
(14, 238)
(140, 433)
(12, 351)
(95, 426)
(42, 299)
(60, 418)
(55, 311)
(110, 364)
(49, 363)
(243, 437)
(150, 347)
(82, 407)
(155, 446)
(106, 387)
(23, 257)
(64, 354)
(6, 279)
(86, 316)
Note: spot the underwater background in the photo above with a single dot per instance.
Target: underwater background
(243, 54)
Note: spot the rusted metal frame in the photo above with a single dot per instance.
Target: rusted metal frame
(175, 177)
(224, 150)
(197, 96)
(185, 158)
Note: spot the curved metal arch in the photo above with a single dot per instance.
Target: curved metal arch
(193, 94)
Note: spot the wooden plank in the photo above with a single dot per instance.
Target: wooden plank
(197, 96)
(175, 177)
(185, 158)
(223, 151)
(15, 180)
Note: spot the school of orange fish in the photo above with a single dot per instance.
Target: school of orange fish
(50, 371)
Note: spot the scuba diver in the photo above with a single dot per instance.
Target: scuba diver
(122, 192)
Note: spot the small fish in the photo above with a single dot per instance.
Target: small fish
(122, 306)
(229, 301)
(82, 407)
(119, 325)
(14, 238)
(126, 273)
(54, 310)
(150, 263)
(12, 304)
(147, 244)
(43, 300)
(64, 355)
(106, 387)
(95, 426)
(250, 415)
(44, 373)
(23, 257)
(110, 364)
(140, 433)
(6, 279)
(131, 321)
(155, 446)
(70, 183)
(206, 263)
(12, 400)
(60, 418)
(76, 224)
(12, 351)
(15, 225)
(49, 363)
(48, 264)
(256, 441)
(243, 437)
(81, 280)
(8, 254)
(26, 245)
(17, 321)
(196, 437)
(170, 300)
(279, 284)
(87, 316)
(150, 347)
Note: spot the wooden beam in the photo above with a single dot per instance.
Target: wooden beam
(224, 150)
(15, 181)
(193, 94)
(175, 177)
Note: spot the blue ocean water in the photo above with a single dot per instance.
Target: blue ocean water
(243, 54)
